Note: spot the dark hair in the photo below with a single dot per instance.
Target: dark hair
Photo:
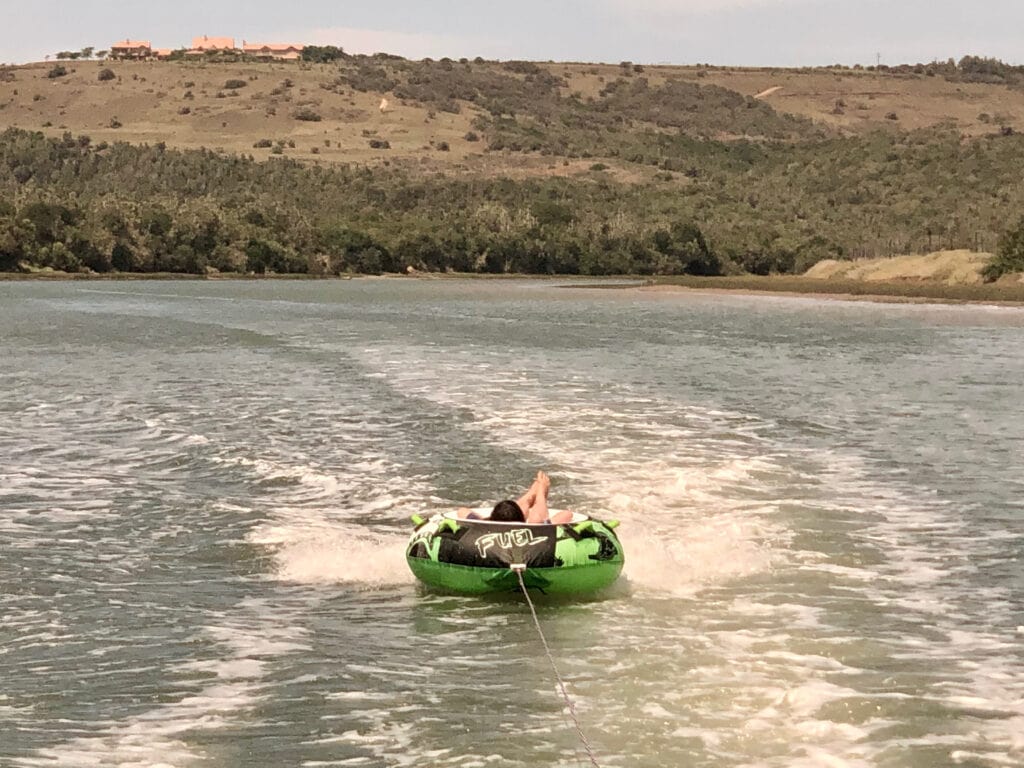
(507, 512)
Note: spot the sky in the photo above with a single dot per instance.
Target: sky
(784, 33)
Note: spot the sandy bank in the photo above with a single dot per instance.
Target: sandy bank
(958, 267)
(999, 298)
(947, 277)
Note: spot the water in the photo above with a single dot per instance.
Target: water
(204, 493)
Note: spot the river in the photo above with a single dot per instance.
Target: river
(205, 490)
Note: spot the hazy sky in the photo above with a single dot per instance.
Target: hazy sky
(739, 32)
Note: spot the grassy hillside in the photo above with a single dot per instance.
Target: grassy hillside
(565, 167)
(187, 105)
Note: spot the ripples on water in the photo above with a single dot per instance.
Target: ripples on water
(205, 488)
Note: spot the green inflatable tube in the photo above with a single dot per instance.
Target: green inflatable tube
(475, 556)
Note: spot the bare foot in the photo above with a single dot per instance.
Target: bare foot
(543, 481)
(561, 518)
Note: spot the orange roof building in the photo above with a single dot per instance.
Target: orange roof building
(207, 43)
(143, 49)
(279, 51)
(131, 49)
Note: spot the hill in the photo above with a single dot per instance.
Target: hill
(573, 111)
(535, 166)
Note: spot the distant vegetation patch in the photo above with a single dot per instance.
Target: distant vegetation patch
(322, 54)
(969, 69)
(1010, 254)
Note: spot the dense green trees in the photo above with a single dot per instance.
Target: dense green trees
(1010, 255)
(69, 204)
(148, 209)
(322, 54)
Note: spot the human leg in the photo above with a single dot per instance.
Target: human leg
(537, 511)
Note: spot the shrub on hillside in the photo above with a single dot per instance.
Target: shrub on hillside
(105, 74)
(380, 144)
(1009, 255)
(263, 144)
(235, 84)
(322, 54)
(307, 115)
(367, 77)
(58, 70)
(522, 67)
(978, 69)
(443, 88)
(22, 174)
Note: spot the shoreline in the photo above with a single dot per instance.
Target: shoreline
(43, 277)
(876, 298)
(883, 292)
(839, 289)
(55, 276)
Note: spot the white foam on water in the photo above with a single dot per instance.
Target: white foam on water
(162, 429)
(317, 482)
(321, 530)
(689, 504)
(701, 493)
(318, 521)
(161, 736)
(929, 548)
(330, 541)
(792, 615)
(687, 559)
(12, 711)
(338, 557)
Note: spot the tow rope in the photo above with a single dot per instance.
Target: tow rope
(518, 571)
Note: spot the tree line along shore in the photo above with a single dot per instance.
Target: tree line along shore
(670, 176)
